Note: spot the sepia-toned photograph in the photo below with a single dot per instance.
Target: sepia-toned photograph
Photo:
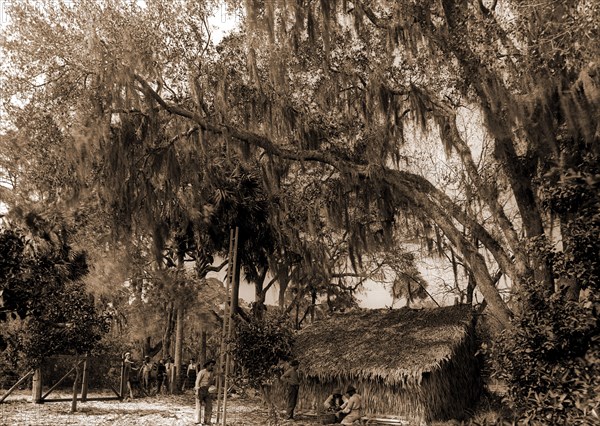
(299, 212)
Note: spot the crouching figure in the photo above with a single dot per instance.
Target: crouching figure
(352, 408)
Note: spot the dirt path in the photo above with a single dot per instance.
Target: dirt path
(159, 411)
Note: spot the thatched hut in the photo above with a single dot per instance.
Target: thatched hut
(418, 364)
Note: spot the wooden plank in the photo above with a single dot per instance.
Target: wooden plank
(98, 398)
(385, 421)
(21, 380)
(115, 391)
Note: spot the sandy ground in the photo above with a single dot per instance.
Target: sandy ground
(160, 410)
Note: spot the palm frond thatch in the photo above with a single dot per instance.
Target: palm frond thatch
(394, 346)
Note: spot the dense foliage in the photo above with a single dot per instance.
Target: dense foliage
(331, 105)
(260, 345)
(45, 308)
(551, 358)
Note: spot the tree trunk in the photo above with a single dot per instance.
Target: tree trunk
(203, 346)
(260, 293)
(473, 258)
(283, 285)
(168, 331)
(519, 176)
(440, 210)
(313, 302)
(178, 350)
(470, 288)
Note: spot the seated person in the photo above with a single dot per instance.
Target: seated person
(333, 404)
(352, 408)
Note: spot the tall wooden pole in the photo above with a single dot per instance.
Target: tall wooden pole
(227, 355)
(75, 384)
(230, 270)
(123, 381)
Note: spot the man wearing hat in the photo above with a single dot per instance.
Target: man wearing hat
(352, 407)
(204, 380)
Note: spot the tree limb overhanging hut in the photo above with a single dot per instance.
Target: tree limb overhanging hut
(419, 364)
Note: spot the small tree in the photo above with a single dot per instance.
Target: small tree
(42, 295)
(259, 345)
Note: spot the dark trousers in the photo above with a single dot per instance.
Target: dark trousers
(203, 397)
(292, 400)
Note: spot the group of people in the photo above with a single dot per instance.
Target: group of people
(346, 408)
(204, 381)
(143, 374)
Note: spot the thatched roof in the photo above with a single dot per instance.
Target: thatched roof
(394, 347)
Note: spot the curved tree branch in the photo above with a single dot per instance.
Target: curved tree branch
(416, 188)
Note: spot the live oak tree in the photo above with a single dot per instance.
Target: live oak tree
(341, 84)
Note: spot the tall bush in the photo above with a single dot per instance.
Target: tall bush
(43, 302)
(259, 345)
(551, 358)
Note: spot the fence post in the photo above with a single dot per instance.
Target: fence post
(36, 387)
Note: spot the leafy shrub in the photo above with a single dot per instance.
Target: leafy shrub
(551, 361)
(551, 358)
(44, 307)
(259, 345)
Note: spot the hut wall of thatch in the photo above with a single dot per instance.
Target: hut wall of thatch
(447, 393)
(451, 391)
(378, 398)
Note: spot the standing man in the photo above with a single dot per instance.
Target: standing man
(190, 375)
(204, 380)
(161, 374)
(290, 377)
(145, 373)
(169, 376)
(130, 373)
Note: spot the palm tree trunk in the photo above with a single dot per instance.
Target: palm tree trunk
(178, 350)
